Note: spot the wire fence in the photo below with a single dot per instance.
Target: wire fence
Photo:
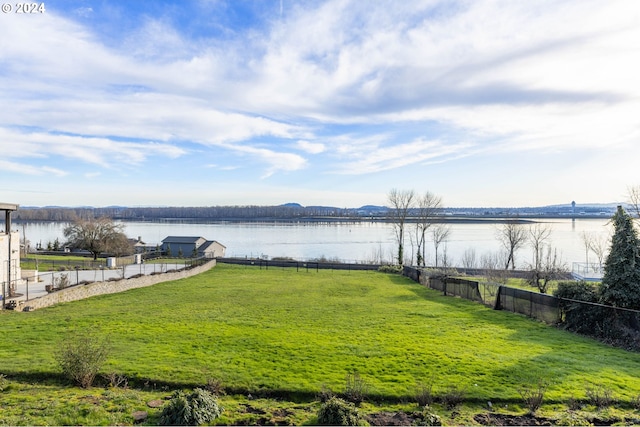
(614, 325)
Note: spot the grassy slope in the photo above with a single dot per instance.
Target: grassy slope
(297, 331)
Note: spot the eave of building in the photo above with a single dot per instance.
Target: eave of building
(8, 207)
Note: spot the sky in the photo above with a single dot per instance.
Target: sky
(337, 102)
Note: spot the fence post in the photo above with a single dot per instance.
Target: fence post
(498, 304)
(531, 304)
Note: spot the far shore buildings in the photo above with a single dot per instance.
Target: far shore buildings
(190, 246)
(9, 253)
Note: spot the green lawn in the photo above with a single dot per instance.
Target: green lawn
(292, 333)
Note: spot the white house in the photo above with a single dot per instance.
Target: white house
(9, 254)
(189, 246)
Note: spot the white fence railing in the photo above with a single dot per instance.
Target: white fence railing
(589, 272)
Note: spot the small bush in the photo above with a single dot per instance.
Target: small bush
(600, 397)
(3, 382)
(337, 412)
(61, 281)
(392, 269)
(81, 356)
(356, 388)
(635, 402)
(115, 380)
(194, 409)
(215, 386)
(574, 404)
(572, 419)
(325, 394)
(580, 318)
(424, 394)
(453, 396)
(428, 418)
(533, 396)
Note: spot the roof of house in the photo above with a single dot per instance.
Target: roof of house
(181, 239)
(8, 207)
(208, 243)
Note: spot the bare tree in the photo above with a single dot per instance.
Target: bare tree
(469, 258)
(633, 193)
(550, 268)
(440, 233)
(95, 236)
(538, 236)
(587, 239)
(427, 206)
(512, 236)
(600, 245)
(401, 202)
(491, 263)
(446, 262)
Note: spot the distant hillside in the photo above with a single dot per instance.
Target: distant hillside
(298, 212)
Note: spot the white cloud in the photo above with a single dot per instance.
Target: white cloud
(27, 169)
(420, 82)
(99, 151)
(310, 147)
(276, 161)
(371, 158)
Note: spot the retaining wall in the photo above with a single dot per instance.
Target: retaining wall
(79, 292)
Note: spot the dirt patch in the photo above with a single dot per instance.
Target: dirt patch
(510, 420)
(251, 410)
(393, 418)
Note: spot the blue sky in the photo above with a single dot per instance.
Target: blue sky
(212, 102)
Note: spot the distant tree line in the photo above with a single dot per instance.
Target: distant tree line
(202, 213)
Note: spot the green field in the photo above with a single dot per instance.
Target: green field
(284, 334)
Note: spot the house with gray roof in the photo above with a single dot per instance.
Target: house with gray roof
(188, 246)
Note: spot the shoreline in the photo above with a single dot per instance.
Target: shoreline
(459, 219)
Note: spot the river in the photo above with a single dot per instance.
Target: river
(346, 241)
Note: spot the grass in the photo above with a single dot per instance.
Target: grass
(287, 334)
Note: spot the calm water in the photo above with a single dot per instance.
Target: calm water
(366, 241)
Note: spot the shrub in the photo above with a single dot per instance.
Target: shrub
(572, 419)
(215, 386)
(81, 356)
(392, 269)
(428, 418)
(635, 402)
(115, 380)
(600, 397)
(574, 404)
(424, 394)
(197, 408)
(621, 281)
(337, 412)
(453, 396)
(581, 318)
(533, 396)
(62, 281)
(325, 394)
(356, 388)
